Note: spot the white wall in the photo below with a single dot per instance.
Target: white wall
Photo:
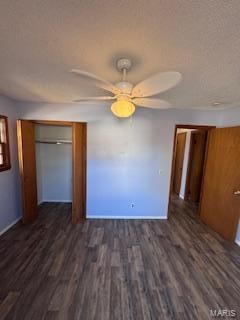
(129, 161)
(54, 164)
(10, 209)
(230, 118)
(185, 162)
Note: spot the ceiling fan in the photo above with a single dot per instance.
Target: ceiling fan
(125, 96)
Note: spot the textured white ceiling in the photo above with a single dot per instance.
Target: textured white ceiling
(41, 40)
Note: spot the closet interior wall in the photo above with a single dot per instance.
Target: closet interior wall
(54, 163)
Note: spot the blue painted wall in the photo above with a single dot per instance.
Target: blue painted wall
(129, 160)
(10, 207)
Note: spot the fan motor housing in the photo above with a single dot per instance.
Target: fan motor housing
(124, 86)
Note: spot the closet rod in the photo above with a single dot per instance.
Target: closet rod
(54, 142)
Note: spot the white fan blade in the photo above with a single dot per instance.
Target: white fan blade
(151, 103)
(101, 82)
(158, 83)
(95, 99)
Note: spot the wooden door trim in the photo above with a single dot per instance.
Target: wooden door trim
(192, 126)
(176, 157)
(53, 123)
(20, 164)
(190, 159)
(79, 168)
(84, 149)
(27, 214)
(204, 175)
(185, 126)
(56, 123)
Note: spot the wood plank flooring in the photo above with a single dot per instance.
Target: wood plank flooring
(116, 269)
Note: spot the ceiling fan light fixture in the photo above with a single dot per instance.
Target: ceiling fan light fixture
(123, 108)
(127, 95)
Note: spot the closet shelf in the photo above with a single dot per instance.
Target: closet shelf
(54, 141)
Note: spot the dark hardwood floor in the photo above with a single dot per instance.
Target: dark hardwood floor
(116, 269)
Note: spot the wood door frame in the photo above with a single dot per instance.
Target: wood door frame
(190, 158)
(54, 122)
(83, 164)
(26, 165)
(79, 165)
(186, 126)
(7, 156)
(175, 163)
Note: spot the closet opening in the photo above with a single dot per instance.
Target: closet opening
(52, 163)
(53, 145)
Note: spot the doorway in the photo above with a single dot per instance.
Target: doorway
(40, 167)
(212, 176)
(53, 145)
(188, 163)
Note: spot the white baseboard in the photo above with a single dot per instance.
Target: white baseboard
(237, 242)
(10, 225)
(91, 216)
